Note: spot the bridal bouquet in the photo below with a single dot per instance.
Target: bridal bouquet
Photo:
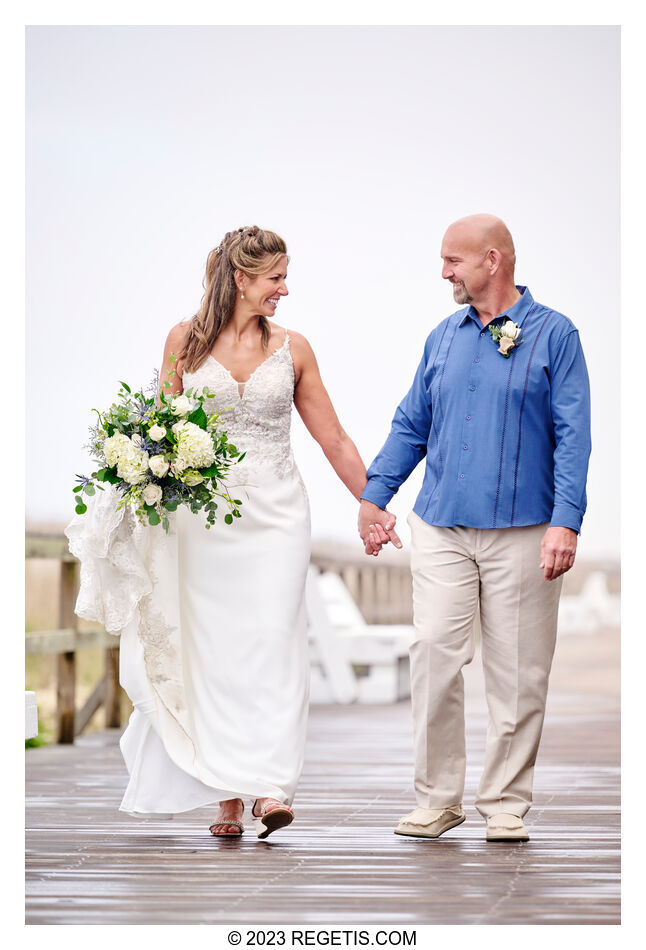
(161, 455)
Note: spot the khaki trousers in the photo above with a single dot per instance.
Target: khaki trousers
(452, 569)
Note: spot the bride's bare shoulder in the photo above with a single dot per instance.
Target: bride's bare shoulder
(177, 335)
(298, 342)
(301, 350)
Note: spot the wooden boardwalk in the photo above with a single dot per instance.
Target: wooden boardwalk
(340, 863)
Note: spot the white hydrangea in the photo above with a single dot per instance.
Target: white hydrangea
(113, 446)
(194, 447)
(132, 465)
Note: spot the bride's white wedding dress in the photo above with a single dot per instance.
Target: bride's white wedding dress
(213, 626)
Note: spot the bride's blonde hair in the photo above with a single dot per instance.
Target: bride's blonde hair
(251, 250)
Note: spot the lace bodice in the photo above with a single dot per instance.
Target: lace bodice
(256, 415)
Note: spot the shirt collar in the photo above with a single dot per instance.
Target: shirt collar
(516, 314)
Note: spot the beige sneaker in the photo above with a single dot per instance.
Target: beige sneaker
(430, 822)
(505, 827)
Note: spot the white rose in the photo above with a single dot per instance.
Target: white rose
(193, 478)
(151, 494)
(135, 438)
(157, 433)
(113, 446)
(181, 405)
(511, 330)
(158, 465)
(179, 465)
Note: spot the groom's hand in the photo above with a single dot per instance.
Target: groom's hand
(558, 550)
(376, 527)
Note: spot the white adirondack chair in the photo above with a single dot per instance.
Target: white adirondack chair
(353, 660)
(31, 715)
(593, 609)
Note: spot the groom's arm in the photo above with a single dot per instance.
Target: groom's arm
(404, 448)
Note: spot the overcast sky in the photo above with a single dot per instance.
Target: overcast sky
(359, 145)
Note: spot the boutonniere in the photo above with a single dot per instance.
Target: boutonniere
(507, 336)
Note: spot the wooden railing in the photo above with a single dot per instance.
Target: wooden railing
(380, 587)
(67, 640)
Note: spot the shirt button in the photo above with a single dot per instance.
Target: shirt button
(461, 476)
(472, 388)
(477, 359)
(468, 418)
(483, 333)
(465, 447)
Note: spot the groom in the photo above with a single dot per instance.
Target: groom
(500, 408)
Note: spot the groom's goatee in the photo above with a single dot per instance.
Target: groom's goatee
(461, 294)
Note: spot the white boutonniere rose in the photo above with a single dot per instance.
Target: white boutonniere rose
(511, 330)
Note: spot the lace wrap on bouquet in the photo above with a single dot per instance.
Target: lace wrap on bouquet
(129, 575)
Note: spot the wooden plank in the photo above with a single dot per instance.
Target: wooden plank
(47, 545)
(66, 662)
(92, 704)
(112, 696)
(65, 697)
(340, 865)
(61, 641)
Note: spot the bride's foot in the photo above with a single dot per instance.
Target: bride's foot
(268, 815)
(228, 823)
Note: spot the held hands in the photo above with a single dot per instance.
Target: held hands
(376, 527)
(558, 550)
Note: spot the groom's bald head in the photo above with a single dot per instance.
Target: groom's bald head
(478, 256)
(481, 233)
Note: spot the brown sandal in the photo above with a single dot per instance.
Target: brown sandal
(269, 821)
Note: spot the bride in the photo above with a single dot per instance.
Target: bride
(215, 658)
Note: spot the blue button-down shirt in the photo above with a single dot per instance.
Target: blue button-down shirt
(506, 441)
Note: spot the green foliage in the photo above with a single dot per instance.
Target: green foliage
(199, 417)
(35, 742)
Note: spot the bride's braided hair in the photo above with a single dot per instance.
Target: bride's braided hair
(250, 250)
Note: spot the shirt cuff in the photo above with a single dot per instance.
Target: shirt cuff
(564, 516)
(378, 494)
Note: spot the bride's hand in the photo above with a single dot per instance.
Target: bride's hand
(376, 527)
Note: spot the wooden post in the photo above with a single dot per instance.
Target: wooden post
(66, 662)
(112, 689)
(367, 587)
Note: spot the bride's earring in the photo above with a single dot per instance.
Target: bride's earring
(241, 296)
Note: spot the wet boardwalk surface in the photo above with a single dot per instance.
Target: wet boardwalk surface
(340, 863)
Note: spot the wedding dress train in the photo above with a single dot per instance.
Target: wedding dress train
(212, 621)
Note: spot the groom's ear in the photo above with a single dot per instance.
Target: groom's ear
(494, 258)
